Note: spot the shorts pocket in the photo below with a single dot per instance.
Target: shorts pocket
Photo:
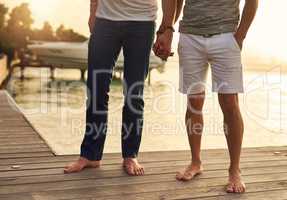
(235, 42)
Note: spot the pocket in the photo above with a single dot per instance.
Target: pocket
(180, 45)
(235, 42)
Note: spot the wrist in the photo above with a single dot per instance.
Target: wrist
(240, 34)
(162, 29)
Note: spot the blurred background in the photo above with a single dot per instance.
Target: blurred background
(55, 104)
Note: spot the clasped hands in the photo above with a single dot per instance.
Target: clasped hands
(162, 46)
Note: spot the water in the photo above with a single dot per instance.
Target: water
(57, 110)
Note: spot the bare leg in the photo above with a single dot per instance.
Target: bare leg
(81, 164)
(234, 128)
(132, 167)
(194, 127)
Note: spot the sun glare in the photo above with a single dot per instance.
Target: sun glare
(42, 10)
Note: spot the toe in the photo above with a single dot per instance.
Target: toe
(237, 190)
(141, 171)
(229, 188)
(137, 172)
(68, 170)
(242, 189)
(188, 176)
(179, 176)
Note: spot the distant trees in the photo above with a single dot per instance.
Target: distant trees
(64, 34)
(16, 31)
(19, 26)
(46, 33)
(3, 12)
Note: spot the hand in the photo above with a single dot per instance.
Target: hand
(92, 21)
(162, 46)
(239, 39)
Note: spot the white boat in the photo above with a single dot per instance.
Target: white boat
(74, 55)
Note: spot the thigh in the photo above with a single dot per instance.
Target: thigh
(137, 43)
(104, 45)
(193, 66)
(226, 66)
(104, 48)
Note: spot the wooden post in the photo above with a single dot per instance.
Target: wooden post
(52, 70)
(149, 78)
(83, 74)
(22, 69)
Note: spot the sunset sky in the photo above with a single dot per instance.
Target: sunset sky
(267, 36)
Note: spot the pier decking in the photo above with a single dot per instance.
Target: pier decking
(29, 170)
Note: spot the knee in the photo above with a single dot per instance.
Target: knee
(194, 106)
(229, 104)
(134, 104)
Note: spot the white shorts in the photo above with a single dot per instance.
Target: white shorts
(221, 52)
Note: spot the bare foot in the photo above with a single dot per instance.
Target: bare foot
(81, 164)
(189, 172)
(132, 167)
(235, 184)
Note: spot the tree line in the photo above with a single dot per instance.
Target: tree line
(16, 30)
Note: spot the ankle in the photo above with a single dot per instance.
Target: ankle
(85, 160)
(234, 170)
(130, 159)
(196, 162)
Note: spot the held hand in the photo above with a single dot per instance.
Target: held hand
(162, 46)
(92, 21)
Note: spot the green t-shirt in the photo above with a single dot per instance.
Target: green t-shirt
(202, 17)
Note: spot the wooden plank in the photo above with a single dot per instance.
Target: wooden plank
(114, 164)
(18, 136)
(256, 193)
(135, 183)
(273, 194)
(25, 138)
(15, 129)
(28, 142)
(56, 174)
(24, 150)
(25, 196)
(116, 159)
(23, 146)
(25, 155)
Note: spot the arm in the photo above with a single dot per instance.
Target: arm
(171, 12)
(93, 10)
(178, 9)
(247, 18)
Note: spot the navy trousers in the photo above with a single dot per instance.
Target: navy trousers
(135, 38)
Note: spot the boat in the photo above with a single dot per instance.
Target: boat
(73, 55)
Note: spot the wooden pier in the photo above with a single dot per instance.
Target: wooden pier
(30, 171)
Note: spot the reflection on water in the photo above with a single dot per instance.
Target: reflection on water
(57, 110)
